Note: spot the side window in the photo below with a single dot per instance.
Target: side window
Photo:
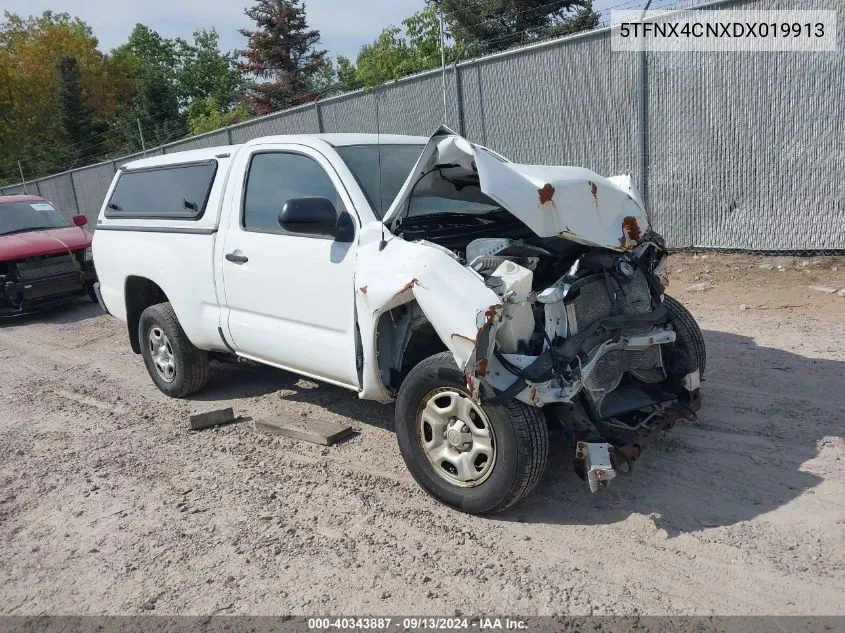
(276, 177)
(178, 192)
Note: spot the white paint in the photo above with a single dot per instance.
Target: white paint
(569, 202)
(313, 305)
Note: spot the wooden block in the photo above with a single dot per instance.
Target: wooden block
(212, 418)
(317, 431)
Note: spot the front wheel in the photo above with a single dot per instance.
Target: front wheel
(473, 457)
(176, 366)
(689, 340)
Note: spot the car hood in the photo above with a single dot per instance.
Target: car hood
(570, 202)
(47, 242)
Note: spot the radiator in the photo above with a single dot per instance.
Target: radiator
(53, 266)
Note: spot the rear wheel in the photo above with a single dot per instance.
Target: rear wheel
(473, 457)
(176, 366)
(689, 339)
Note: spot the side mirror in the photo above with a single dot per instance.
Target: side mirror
(79, 220)
(316, 216)
(345, 230)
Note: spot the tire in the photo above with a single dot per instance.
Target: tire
(518, 434)
(689, 338)
(89, 290)
(187, 368)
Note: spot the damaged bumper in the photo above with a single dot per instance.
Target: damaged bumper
(598, 463)
(23, 297)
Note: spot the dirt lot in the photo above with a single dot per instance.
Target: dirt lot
(109, 504)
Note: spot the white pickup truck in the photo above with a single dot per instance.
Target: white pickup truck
(489, 299)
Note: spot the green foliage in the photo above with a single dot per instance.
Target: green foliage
(485, 26)
(209, 115)
(204, 72)
(42, 114)
(331, 80)
(79, 130)
(152, 62)
(394, 55)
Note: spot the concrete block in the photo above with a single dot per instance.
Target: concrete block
(316, 431)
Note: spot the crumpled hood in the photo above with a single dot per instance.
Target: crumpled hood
(570, 202)
(47, 242)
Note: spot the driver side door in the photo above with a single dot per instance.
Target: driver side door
(290, 296)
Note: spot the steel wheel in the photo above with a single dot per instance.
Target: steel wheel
(456, 437)
(162, 354)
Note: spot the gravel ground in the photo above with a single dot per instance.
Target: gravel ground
(110, 504)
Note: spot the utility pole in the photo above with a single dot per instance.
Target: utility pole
(141, 134)
(443, 66)
(23, 180)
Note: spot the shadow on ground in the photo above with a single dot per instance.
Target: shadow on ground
(231, 380)
(766, 412)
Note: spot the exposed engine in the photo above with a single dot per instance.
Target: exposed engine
(587, 330)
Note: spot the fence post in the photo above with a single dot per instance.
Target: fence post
(73, 189)
(229, 135)
(642, 126)
(459, 101)
(319, 113)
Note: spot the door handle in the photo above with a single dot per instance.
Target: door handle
(237, 259)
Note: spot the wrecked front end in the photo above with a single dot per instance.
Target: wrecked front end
(597, 348)
(547, 285)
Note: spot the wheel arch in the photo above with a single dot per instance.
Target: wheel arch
(140, 293)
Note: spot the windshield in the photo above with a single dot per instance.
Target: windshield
(396, 161)
(18, 217)
(423, 205)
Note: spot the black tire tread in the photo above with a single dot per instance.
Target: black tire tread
(195, 367)
(530, 426)
(530, 429)
(689, 334)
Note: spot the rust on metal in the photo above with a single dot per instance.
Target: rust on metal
(631, 233)
(533, 395)
(595, 191)
(470, 384)
(411, 284)
(489, 315)
(547, 193)
(466, 338)
(669, 418)
(363, 290)
(482, 368)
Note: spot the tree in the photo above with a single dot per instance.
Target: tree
(80, 131)
(31, 92)
(282, 51)
(331, 81)
(152, 63)
(393, 55)
(207, 116)
(205, 73)
(495, 25)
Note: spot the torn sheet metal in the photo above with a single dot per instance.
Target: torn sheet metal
(454, 299)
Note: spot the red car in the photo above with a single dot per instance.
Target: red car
(44, 258)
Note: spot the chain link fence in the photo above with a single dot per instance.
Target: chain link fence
(743, 151)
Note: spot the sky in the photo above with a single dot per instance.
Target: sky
(343, 24)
